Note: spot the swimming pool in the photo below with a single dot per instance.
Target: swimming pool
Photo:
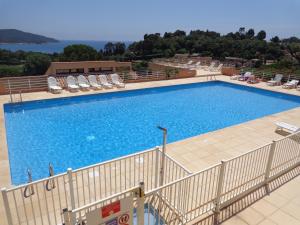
(79, 131)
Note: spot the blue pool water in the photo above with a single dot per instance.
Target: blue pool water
(79, 131)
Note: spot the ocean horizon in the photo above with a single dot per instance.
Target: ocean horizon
(54, 47)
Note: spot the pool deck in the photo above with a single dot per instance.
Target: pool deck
(201, 151)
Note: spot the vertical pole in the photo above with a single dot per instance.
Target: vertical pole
(140, 204)
(67, 217)
(269, 165)
(219, 192)
(29, 84)
(162, 166)
(72, 196)
(6, 206)
(10, 94)
(156, 166)
(20, 93)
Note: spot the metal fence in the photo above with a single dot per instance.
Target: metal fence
(42, 201)
(268, 75)
(207, 192)
(23, 84)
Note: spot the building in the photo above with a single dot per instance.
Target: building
(87, 67)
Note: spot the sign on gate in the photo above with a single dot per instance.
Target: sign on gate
(116, 213)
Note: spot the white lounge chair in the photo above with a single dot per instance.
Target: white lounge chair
(245, 77)
(72, 84)
(287, 126)
(236, 77)
(197, 64)
(83, 82)
(53, 85)
(218, 68)
(212, 65)
(290, 84)
(104, 82)
(276, 80)
(93, 82)
(116, 80)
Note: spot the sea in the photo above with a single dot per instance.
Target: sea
(56, 47)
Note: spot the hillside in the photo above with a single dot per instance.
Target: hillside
(17, 36)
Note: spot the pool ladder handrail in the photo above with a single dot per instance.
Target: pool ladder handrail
(11, 94)
(50, 181)
(29, 190)
(50, 184)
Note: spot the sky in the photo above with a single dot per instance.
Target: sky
(129, 20)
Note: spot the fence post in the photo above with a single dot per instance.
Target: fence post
(6, 206)
(140, 204)
(156, 166)
(68, 217)
(71, 187)
(29, 83)
(219, 192)
(269, 165)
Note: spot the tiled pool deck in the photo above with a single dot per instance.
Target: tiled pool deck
(201, 151)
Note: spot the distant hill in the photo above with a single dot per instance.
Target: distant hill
(18, 36)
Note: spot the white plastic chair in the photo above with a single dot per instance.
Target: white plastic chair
(53, 85)
(93, 82)
(116, 80)
(290, 84)
(104, 82)
(83, 82)
(72, 84)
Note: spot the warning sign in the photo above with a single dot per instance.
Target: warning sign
(116, 213)
(124, 219)
(110, 209)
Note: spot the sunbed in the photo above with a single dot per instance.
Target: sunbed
(116, 80)
(290, 84)
(104, 82)
(72, 84)
(252, 80)
(218, 68)
(210, 66)
(276, 80)
(83, 82)
(287, 126)
(93, 82)
(245, 77)
(53, 85)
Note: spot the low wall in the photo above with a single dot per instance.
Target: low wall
(229, 71)
(182, 72)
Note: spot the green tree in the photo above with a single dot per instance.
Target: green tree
(36, 63)
(250, 33)
(261, 35)
(119, 48)
(79, 53)
(275, 39)
(109, 48)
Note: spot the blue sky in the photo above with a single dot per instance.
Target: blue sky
(131, 19)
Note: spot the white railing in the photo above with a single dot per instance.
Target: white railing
(182, 198)
(42, 201)
(209, 191)
(213, 189)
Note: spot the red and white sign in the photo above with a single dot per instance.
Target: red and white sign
(116, 213)
(111, 209)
